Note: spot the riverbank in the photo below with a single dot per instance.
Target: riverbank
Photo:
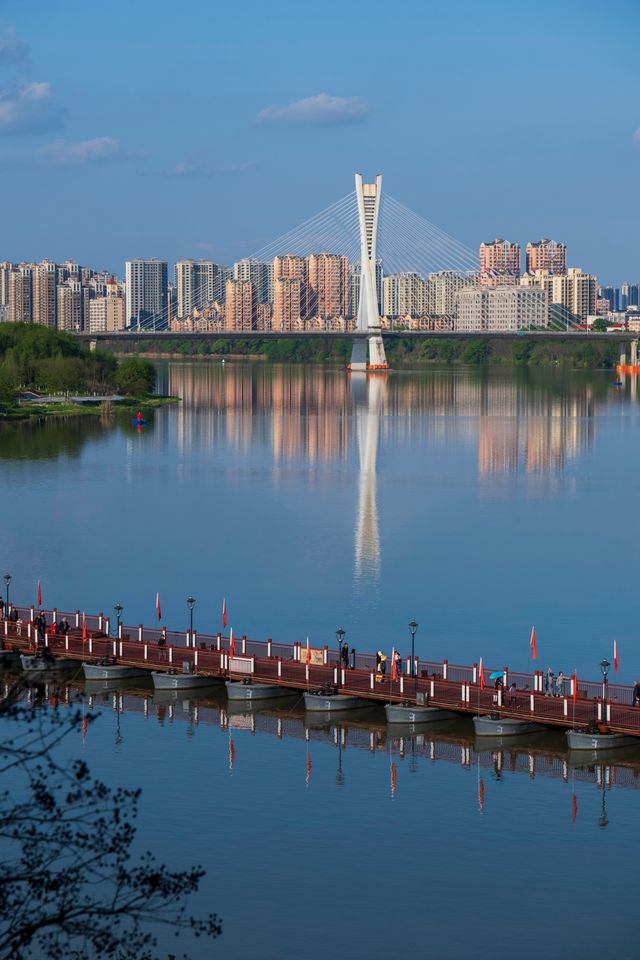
(32, 410)
(401, 352)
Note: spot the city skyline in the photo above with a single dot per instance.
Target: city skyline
(85, 145)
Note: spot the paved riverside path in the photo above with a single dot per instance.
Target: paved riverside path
(436, 683)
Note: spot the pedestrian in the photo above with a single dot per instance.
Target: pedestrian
(550, 676)
(560, 684)
(13, 614)
(345, 655)
(63, 626)
(513, 696)
(636, 693)
(1, 608)
(378, 660)
(398, 660)
(162, 639)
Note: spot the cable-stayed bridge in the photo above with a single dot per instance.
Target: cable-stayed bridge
(325, 276)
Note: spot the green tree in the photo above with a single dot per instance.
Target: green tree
(599, 325)
(135, 377)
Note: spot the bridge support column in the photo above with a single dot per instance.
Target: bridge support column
(170, 654)
(146, 651)
(565, 707)
(445, 669)
(372, 680)
(532, 703)
(279, 666)
(100, 619)
(219, 642)
(140, 629)
(433, 689)
(244, 646)
(474, 673)
(269, 646)
(77, 619)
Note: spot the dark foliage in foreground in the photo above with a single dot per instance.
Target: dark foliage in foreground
(70, 886)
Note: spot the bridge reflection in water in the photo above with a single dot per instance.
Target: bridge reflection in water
(542, 755)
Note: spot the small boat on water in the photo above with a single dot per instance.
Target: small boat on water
(415, 713)
(110, 670)
(35, 663)
(582, 740)
(182, 681)
(332, 702)
(504, 726)
(238, 690)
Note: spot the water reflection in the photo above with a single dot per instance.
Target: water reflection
(368, 394)
(451, 742)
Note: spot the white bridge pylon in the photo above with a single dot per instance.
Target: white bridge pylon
(368, 354)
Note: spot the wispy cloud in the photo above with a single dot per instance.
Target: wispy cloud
(323, 108)
(636, 136)
(186, 169)
(203, 245)
(68, 153)
(13, 52)
(29, 108)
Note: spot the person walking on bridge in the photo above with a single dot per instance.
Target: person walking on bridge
(549, 690)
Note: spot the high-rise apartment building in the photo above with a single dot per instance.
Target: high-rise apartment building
(499, 263)
(572, 295)
(547, 255)
(146, 297)
(288, 303)
(443, 288)
(21, 294)
(612, 294)
(629, 295)
(45, 301)
(240, 306)
(107, 313)
(259, 274)
(405, 294)
(327, 285)
(5, 270)
(196, 285)
(71, 306)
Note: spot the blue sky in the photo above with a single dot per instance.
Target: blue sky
(152, 128)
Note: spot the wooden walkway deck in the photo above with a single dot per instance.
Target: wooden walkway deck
(438, 684)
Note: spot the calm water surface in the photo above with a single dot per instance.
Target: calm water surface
(479, 503)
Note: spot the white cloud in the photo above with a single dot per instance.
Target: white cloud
(83, 151)
(322, 108)
(29, 108)
(185, 169)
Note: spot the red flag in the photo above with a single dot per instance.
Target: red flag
(232, 643)
(481, 675)
(232, 753)
(224, 612)
(39, 595)
(575, 686)
(532, 644)
(158, 607)
(84, 628)
(481, 795)
(574, 808)
(394, 666)
(308, 653)
(615, 655)
(394, 780)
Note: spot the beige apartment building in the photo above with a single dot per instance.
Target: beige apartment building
(443, 291)
(405, 294)
(21, 294)
(107, 314)
(45, 300)
(501, 309)
(70, 301)
(240, 306)
(576, 291)
(499, 263)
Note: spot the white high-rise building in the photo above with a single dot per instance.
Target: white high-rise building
(261, 276)
(405, 294)
(146, 297)
(197, 284)
(501, 309)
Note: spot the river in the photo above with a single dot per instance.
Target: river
(480, 502)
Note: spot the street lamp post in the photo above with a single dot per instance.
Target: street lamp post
(413, 626)
(604, 666)
(191, 604)
(7, 581)
(117, 609)
(340, 632)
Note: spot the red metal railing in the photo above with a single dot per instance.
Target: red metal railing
(438, 683)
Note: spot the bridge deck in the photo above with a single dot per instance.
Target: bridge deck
(441, 684)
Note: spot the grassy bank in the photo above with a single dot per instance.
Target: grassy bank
(401, 352)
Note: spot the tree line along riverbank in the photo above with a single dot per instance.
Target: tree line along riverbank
(45, 362)
(564, 351)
